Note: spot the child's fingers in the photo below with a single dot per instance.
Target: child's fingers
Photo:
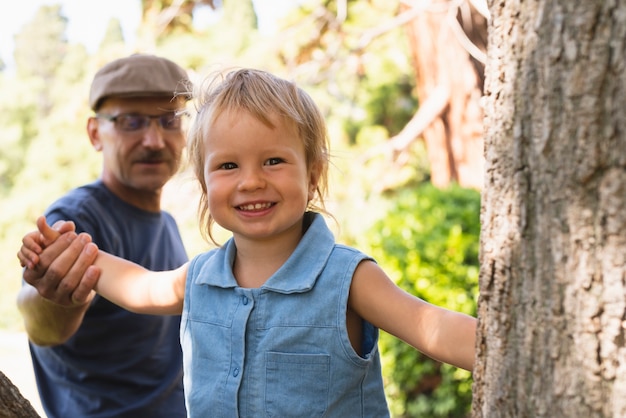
(32, 241)
(30, 250)
(27, 258)
(49, 234)
(64, 226)
(55, 260)
(61, 267)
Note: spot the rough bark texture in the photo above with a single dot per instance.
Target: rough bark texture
(441, 38)
(552, 306)
(12, 403)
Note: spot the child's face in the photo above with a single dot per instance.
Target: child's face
(257, 180)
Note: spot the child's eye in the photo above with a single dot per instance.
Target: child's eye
(274, 161)
(228, 166)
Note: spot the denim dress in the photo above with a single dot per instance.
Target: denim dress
(281, 350)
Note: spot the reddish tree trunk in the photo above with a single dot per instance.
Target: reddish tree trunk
(441, 39)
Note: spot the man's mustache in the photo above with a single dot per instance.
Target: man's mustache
(152, 157)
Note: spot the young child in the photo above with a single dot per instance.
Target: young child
(281, 320)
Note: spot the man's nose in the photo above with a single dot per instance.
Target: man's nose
(153, 135)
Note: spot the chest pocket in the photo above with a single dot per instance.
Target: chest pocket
(297, 385)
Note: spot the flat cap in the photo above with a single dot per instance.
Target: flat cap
(138, 75)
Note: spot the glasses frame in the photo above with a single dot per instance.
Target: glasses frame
(146, 120)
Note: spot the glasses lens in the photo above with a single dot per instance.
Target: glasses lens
(129, 122)
(170, 121)
(132, 122)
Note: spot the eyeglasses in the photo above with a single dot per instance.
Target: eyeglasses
(133, 122)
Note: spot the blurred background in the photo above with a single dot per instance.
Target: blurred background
(398, 81)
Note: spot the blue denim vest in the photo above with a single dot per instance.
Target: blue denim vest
(281, 350)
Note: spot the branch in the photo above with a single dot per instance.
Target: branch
(428, 111)
(401, 19)
(168, 14)
(462, 38)
(481, 7)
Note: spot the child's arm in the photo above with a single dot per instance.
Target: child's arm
(130, 285)
(439, 333)
(139, 290)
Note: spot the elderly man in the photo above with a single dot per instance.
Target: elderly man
(92, 358)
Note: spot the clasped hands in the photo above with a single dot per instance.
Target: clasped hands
(59, 263)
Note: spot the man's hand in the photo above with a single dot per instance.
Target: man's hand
(59, 263)
(34, 242)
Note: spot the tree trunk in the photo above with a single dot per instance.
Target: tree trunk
(552, 304)
(443, 37)
(12, 403)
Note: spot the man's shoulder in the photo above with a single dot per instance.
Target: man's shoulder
(82, 205)
(82, 195)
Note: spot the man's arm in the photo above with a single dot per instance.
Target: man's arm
(47, 323)
(59, 286)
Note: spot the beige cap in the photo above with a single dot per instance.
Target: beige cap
(138, 75)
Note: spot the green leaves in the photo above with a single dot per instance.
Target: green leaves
(428, 241)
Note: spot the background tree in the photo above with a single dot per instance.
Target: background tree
(162, 18)
(40, 48)
(448, 42)
(113, 33)
(552, 307)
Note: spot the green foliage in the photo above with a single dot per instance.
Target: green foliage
(428, 243)
(41, 44)
(114, 34)
(18, 110)
(240, 35)
(366, 79)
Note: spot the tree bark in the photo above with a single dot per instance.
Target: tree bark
(12, 403)
(443, 38)
(552, 304)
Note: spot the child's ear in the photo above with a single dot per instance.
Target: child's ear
(314, 178)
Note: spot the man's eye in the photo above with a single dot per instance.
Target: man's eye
(170, 121)
(228, 166)
(132, 122)
(274, 161)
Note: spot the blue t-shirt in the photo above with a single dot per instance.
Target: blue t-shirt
(118, 364)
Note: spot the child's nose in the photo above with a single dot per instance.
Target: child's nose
(252, 179)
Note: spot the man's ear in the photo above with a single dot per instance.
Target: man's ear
(94, 133)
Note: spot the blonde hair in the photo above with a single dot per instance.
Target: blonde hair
(262, 95)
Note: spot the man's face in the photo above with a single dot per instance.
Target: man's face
(139, 154)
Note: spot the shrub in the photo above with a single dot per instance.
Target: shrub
(428, 243)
